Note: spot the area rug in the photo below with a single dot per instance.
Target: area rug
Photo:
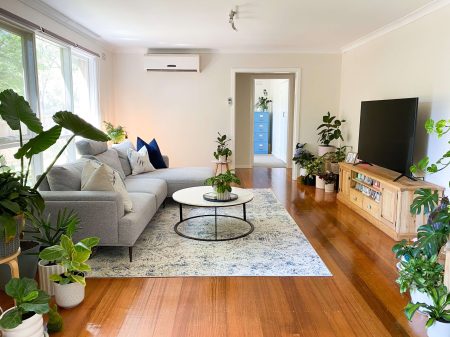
(276, 247)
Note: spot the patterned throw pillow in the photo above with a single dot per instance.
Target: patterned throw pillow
(154, 153)
(97, 176)
(139, 161)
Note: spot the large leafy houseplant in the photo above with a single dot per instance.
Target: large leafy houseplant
(29, 301)
(222, 182)
(17, 113)
(330, 129)
(116, 133)
(420, 273)
(222, 147)
(72, 256)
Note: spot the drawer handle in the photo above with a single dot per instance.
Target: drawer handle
(260, 125)
(355, 198)
(369, 207)
(260, 145)
(261, 116)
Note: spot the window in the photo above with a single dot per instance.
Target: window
(65, 76)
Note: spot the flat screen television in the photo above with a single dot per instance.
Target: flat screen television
(387, 131)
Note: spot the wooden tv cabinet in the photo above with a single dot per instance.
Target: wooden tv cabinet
(371, 192)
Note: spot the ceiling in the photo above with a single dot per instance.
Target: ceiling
(263, 25)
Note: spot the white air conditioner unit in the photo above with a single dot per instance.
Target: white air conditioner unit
(172, 62)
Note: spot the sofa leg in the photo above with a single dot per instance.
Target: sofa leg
(130, 253)
(164, 203)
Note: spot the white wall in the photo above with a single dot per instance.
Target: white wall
(280, 115)
(184, 111)
(413, 60)
(104, 65)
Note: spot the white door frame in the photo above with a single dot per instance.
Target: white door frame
(296, 117)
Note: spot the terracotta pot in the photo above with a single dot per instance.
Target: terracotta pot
(30, 327)
(45, 271)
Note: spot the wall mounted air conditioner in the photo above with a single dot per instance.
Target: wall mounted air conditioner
(172, 62)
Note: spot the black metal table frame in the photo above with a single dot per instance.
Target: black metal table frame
(215, 215)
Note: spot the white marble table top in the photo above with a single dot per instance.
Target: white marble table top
(193, 196)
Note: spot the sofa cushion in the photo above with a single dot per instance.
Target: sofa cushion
(157, 187)
(111, 158)
(66, 177)
(122, 151)
(87, 147)
(139, 161)
(154, 153)
(100, 177)
(132, 224)
(179, 177)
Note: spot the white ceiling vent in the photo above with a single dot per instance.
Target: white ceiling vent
(172, 62)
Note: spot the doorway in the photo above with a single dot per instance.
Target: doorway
(265, 138)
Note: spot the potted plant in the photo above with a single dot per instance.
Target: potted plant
(117, 134)
(48, 234)
(330, 179)
(223, 152)
(302, 157)
(316, 168)
(222, 184)
(438, 323)
(329, 130)
(336, 157)
(69, 285)
(263, 102)
(419, 274)
(25, 319)
(16, 112)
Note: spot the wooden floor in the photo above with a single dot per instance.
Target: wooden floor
(360, 299)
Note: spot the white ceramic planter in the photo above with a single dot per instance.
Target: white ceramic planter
(223, 196)
(223, 159)
(329, 188)
(439, 329)
(44, 275)
(68, 295)
(418, 296)
(320, 183)
(325, 149)
(334, 168)
(303, 172)
(30, 327)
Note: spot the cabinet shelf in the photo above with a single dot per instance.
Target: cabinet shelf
(376, 189)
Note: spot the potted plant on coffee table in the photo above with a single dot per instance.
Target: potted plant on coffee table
(438, 312)
(330, 179)
(302, 157)
(329, 130)
(223, 152)
(25, 319)
(222, 184)
(69, 285)
(17, 113)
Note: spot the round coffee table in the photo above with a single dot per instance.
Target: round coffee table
(193, 196)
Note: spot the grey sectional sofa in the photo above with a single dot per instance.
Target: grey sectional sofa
(102, 213)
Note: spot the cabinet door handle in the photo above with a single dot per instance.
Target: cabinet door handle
(261, 116)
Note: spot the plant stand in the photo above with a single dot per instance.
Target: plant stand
(13, 264)
(221, 166)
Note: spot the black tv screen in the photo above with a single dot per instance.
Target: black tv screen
(386, 133)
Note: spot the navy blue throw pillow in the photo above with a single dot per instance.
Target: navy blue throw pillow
(153, 153)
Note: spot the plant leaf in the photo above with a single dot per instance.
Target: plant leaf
(14, 109)
(53, 253)
(11, 319)
(79, 279)
(411, 309)
(425, 198)
(40, 143)
(79, 126)
(90, 242)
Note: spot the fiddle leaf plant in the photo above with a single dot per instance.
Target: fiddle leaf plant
(222, 146)
(28, 299)
(71, 256)
(330, 129)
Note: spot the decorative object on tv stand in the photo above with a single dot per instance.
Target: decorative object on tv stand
(222, 184)
(25, 319)
(223, 152)
(49, 234)
(116, 133)
(16, 112)
(329, 179)
(329, 130)
(350, 158)
(69, 286)
(302, 157)
(263, 102)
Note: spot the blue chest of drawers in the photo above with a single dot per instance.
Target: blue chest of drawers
(261, 136)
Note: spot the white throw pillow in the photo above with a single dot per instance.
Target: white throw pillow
(139, 161)
(97, 176)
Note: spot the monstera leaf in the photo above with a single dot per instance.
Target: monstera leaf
(14, 109)
(40, 143)
(426, 198)
(78, 126)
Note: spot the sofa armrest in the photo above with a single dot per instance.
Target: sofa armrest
(166, 159)
(99, 212)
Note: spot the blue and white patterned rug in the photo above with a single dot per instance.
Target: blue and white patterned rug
(276, 247)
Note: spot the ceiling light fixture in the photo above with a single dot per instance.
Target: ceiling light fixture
(232, 15)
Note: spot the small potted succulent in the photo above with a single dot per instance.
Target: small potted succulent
(330, 179)
(116, 133)
(222, 184)
(69, 285)
(329, 130)
(438, 323)
(223, 152)
(49, 234)
(263, 102)
(25, 319)
(419, 275)
(302, 157)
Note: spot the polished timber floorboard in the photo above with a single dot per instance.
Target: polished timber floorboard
(360, 299)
